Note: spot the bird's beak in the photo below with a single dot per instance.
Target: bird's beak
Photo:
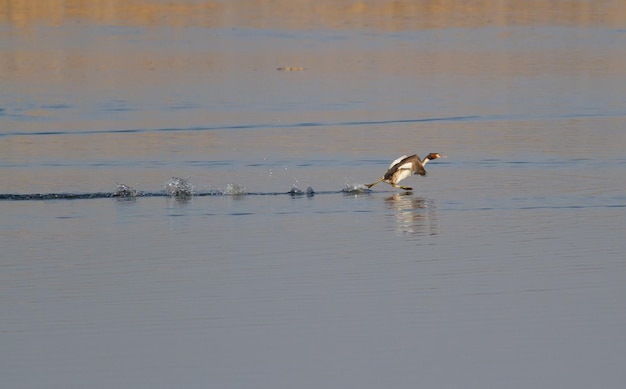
(443, 156)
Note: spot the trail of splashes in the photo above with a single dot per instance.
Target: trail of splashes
(179, 187)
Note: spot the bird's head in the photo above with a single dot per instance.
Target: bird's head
(433, 156)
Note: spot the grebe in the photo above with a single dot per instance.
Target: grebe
(404, 167)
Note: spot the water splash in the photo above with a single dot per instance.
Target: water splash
(235, 190)
(122, 190)
(179, 187)
(295, 191)
(355, 188)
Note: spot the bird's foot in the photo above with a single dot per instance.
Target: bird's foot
(408, 188)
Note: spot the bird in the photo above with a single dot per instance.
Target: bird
(404, 167)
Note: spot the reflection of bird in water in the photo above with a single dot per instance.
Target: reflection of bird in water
(413, 216)
(404, 167)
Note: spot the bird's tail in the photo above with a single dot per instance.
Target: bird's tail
(374, 183)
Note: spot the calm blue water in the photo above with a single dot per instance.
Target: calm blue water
(504, 268)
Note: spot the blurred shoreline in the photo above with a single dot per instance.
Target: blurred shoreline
(300, 14)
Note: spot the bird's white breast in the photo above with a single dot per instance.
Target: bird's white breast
(403, 172)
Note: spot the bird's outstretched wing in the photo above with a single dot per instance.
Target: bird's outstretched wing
(397, 161)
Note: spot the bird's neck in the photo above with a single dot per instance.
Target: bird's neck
(425, 161)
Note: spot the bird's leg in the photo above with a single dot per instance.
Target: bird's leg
(374, 183)
(402, 187)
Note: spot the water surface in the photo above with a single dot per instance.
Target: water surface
(503, 268)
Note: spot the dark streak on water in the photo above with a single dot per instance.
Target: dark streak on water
(240, 127)
(102, 195)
